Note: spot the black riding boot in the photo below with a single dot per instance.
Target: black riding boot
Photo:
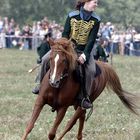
(85, 101)
(36, 89)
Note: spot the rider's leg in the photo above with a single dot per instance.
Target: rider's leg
(87, 82)
(90, 71)
(43, 71)
(84, 99)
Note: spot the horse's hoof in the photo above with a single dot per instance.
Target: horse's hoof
(51, 136)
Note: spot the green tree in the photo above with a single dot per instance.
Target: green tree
(117, 11)
(120, 12)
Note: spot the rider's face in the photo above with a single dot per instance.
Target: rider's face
(91, 5)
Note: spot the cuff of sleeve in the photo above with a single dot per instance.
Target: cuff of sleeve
(83, 56)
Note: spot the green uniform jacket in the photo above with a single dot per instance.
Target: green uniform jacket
(83, 33)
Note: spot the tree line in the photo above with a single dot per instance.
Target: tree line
(121, 12)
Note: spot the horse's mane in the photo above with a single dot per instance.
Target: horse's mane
(67, 47)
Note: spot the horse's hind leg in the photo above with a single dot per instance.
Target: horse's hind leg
(36, 111)
(72, 121)
(60, 115)
(81, 126)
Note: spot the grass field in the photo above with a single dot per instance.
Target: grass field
(109, 121)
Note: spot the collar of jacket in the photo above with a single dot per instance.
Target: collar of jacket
(85, 15)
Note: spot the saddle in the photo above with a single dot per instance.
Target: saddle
(77, 75)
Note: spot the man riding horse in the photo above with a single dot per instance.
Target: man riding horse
(81, 28)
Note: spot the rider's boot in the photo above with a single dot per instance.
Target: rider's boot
(36, 89)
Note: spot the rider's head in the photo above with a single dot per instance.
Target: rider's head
(81, 3)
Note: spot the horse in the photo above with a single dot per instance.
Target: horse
(59, 89)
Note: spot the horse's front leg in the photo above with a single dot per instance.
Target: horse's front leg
(60, 115)
(36, 111)
(72, 121)
(81, 126)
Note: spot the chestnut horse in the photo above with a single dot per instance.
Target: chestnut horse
(59, 88)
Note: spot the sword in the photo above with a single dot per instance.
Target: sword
(34, 68)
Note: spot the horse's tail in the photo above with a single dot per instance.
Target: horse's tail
(113, 83)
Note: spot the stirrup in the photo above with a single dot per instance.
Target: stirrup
(86, 103)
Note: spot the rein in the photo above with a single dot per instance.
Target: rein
(64, 75)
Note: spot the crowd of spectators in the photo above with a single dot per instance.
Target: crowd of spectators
(124, 42)
(118, 41)
(28, 36)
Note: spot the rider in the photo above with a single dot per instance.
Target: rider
(42, 49)
(82, 27)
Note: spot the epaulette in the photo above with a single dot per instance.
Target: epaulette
(74, 13)
(96, 16)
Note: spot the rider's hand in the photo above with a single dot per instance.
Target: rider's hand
(82, 59)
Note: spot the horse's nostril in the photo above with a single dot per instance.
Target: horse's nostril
(54, 84)
(57, 82)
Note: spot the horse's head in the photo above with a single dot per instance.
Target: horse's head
(62, 61)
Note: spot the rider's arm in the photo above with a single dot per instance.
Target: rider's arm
(91, 40)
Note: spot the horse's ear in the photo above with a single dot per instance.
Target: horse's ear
(51, 41)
